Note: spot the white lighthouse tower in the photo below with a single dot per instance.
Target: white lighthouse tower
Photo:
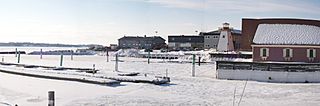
(225, 40)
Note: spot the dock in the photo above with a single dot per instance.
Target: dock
(77, 76)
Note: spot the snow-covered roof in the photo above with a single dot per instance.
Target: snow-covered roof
(217, 32)
(287, 34)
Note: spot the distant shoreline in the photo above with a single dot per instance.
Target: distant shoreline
(17, 44)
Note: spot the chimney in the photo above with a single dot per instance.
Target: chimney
(145, 36)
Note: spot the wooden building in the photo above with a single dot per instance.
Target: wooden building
(286, 43)
(250, 25)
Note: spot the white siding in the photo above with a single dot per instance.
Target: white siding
(223, 41)
(185, 45)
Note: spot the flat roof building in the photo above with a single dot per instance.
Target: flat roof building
(141, 42)
(185, 42)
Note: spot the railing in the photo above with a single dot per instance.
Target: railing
(237, 55)
(265, 66)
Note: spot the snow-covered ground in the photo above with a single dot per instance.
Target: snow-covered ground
(184, 90)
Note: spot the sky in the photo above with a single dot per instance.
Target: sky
(105, 21)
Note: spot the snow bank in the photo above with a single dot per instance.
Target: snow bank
(287, 34)
(128, 53)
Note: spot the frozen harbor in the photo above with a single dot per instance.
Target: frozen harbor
(204, 89)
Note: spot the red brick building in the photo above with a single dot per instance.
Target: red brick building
(249, 27)
(286, 43)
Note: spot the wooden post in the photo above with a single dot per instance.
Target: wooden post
(40, 53)
(93, 68)
(116, 66)
(61, 59)
(199, 60)
(18, 57)
(148, 56)
(71, 54)
(107, 55)
(16, 52)
(193, 64)
(51, 98)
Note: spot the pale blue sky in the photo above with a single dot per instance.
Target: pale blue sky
(104, 21)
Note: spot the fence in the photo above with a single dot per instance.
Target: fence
(265, 66)
(269, 72)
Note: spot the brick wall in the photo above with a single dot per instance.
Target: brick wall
(276, 54)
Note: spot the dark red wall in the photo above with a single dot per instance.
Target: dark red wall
(249, 27)
(276, 54)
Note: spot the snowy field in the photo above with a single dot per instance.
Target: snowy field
(184, 90)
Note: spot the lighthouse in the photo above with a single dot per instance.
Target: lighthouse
(225, 39)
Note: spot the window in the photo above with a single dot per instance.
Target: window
(223, 36)
(264, 52)
(287, 52)
(311, 53)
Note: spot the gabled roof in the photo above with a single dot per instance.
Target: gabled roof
(287, 34)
